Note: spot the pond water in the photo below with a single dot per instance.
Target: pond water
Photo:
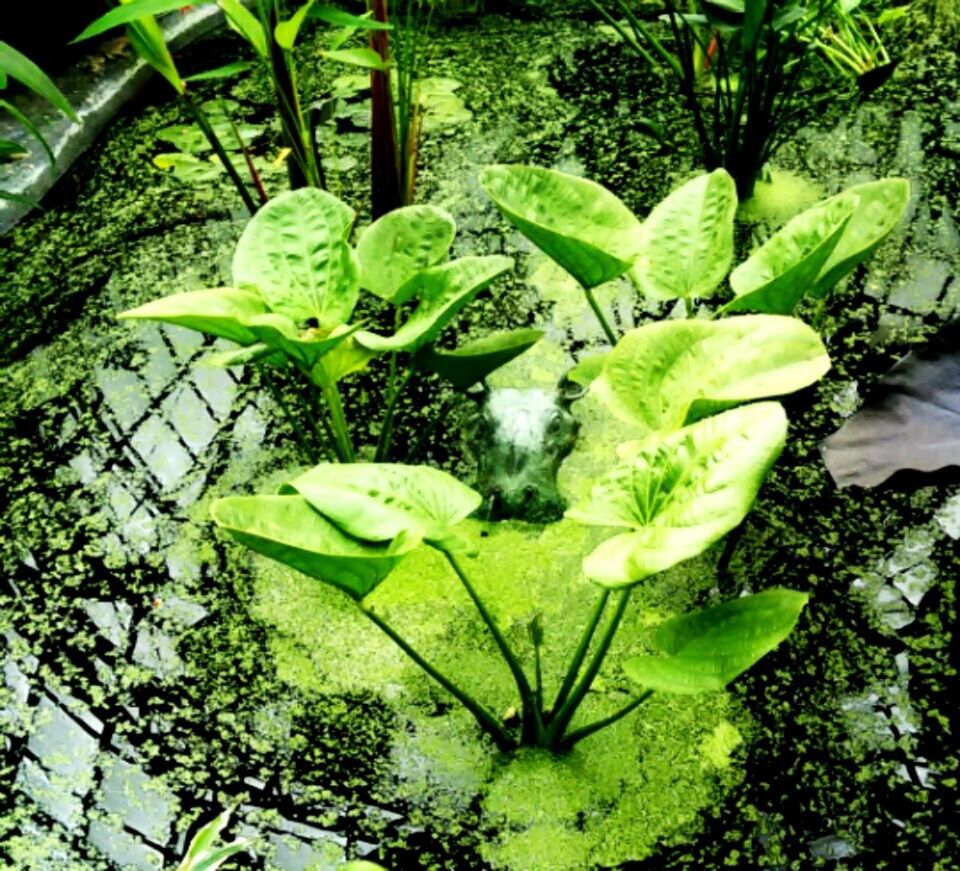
(153, 671)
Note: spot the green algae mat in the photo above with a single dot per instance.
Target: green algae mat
(154, 672)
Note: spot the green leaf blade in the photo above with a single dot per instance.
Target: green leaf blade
(578, 223)
(705, 650)
(687, 240)
(18, 66)
(127, 13)
(471, 363)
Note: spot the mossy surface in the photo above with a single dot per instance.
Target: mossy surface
(218, 675)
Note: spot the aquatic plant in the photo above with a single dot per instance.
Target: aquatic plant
(738, 66)
(296, 283)
(680, 487)
(205, 852)
(16, 65)
(273, 37)
(684, 249)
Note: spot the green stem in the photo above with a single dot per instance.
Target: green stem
(580, 734)
(386, 428)
(484, 718)
(204, 124)
(342, 444)
(565, 714)
(532, 724)
(277, 394)
(611, 338)
(575, 664)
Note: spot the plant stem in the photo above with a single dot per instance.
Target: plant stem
(611, 338)
(580, 734)
(484, 718)
(386, 428)
(574, 669)
(532, 724)
(342, 444)
(204, 124)
(565, 714)
(275, 391)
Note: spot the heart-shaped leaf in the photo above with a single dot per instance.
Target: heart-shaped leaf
(220, 311)
(882, 204)
(707, 649)
(380, 501)
(777, 275)
(471, 363)
(578, 223)
(393, 248)
(294, 252)
(680, 492)
(288, 530)
(665, 374)
(686, 246)
(443, 291)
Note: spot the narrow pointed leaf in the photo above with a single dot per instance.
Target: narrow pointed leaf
(30, 127)
(341, 18)
(443, 291)
(687, 240)
(10, 149)
(679, 492)
(18, 66)
(707, 649)
(779, 273)
(882, 205)
(666, 374)
(366, 58)
(243, 21)
(471, 363)
(288, 530)
(401, 243)
(147, 39)
(240, 356)
(294, 252)
(224, 72)
(379, 501)
(577, 223)
(285, 33)
(126, 13)
(221, 311)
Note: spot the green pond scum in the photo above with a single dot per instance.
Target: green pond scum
(165, 688)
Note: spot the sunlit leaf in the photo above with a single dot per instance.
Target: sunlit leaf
(243, 21)
(707, 649)
(778, 274)
(294, 252)
(668, 373)
(687, 240)
(881, 206)
(472, 362)
(288, 530)
(380, 501)
(223, 72)
(285, 33)
(680, 491)
(18, 66)
(366, 58)
(219, 311)
(443, 291)
(576, 222)
(341, 18)
(401, 243)
(305, 346)
(127, 13)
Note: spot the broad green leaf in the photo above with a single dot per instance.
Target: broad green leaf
(305, 346)
(244, 22)
(224, 72)
(380, 501)
(340, 18)
(366, 58)
(665, 374)
(443, 291)
(288, 530)
(126, 13)
(686, 246)
(471, 363)
(578, 223)
(680, 492)
(18, 66)
(30, 127)
(778, 274)
(285, 33)
(345, 359)
(221, 311)
(188, 168)
(294, 252)
(401, 243)
(754, 13)
(707, 649)
(882, 204)
(185, 137)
